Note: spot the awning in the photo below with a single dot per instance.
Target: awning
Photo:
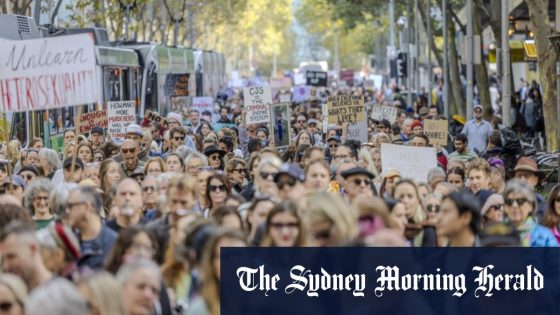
(520, 51)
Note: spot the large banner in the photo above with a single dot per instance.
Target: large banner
(121, 114)
(47, 73)
(257, 102)
(411, 162)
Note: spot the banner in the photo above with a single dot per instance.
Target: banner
(437, 131)
(381, 112)
(346, 109)
(301, 93)
(204, 105)
(280, 114)
(257, 101)
(316, 78)
(47, 73)
(120, 115)
(87, 121)
(411, 162)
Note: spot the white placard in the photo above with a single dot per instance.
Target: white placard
(381, 112)
(204, 105)
(411, 162)
(47, 73)
(301, 93)
(120, 115)
(358, 131)
(257, 101)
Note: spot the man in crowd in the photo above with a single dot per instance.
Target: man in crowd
(357, 182)
(130, 164)
(73, 170)
(135, 133)
(477, 131)
(194, 118)
(177, 136)
(130, 204)
(462, 151)
(289, 181)
(16, 188)
(96, 138)
(84, 206)
(150, 197)
(527, 170)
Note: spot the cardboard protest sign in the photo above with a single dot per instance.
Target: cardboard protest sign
(47, 73)
(87, 121)
(381, 112)
(156, 118)
(412, 162)
(204, 105)
(358, 131)
(316, 78)
(257, 101)
(301, 93)
(280, 114)
(437, 131)
(346, 109)
(120, 115)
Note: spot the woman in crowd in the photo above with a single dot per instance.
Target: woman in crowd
(456, 176)
(85, 152)
(551, 218)
(29, 174)
(13, 295)
(312, 154)
(459, 220)
(217, 190)
(373, 215)
(432, 204)
(520, 205)
(256, 215)
(36, 143)
(215, 157)
(406, 192)
(330, 220)
(155, 167)
(204, 129)
(175, 163)
(492, 207)
(140, 282)
(397, 213)
(49, 162)
(133, 242)
(69, 150)
(91, 172)
(264, 177)
(58, 296)
(194, 162)
(317, 175)
(202, 182)
(102, 293)
(284, 227)
(228, 216)
(390, 178)
(109, 175)
(236, 172)
(13, 152)
(36, 199)
(60, 249)
(31, 158)
(304, 137)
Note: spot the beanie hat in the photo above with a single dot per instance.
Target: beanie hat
(494, 199)
(415, 124)
(175, 116)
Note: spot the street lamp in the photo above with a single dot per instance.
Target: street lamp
(127, 5)
(555, 41)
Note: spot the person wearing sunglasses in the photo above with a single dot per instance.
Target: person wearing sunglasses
(520, 206)
(73, 170)
(492, 210)
(215, 157)
(36, 199)
(29, 174)
(551, 218)
(264, 176)
(357, 182)
(13, 295)
(236, 171)
(289, 181)
(130, 164)
(177, 137)
(217, 190)
(432, 204)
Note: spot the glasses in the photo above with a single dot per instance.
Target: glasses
(339, 157)
(240, 170)
(520, 201)
(360, 181)
(266, 175)
(499, 207)
(39, 198)
(128, 151)
(433, 208)
(148, 189)
(477, 111)
(300, 121)
(27, 176)
(178, 138)
(217, 188)
(335, 145)
(215, 157)
(290, 182)
(6, 306)
(281, 225)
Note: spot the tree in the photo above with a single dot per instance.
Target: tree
(21, 7)
(547, 56)
(481, 71)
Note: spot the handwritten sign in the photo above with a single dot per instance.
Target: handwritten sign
(121, 114)
(358, 131)
(346, 109)
(280, 114)
(204, 105)
(437, 131)
(177, 84)
(156, 118)
(87, 121)
(257, 102)
(411, 162)
(47, 73)
(316, 78)
(381, 112)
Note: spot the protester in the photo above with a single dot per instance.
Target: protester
(477, 131)
(459, 221)
(13, 294)
(462, 151)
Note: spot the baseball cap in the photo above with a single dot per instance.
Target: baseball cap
(68, 162)
(478, 106)
(16, 180)
(291, 169)
(134, 129)
(97, 129)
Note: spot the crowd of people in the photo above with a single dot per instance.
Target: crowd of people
(135, 226)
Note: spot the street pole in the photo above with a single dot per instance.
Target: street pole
(417, 46)
(506, 77)
(470, 60)
(408, 58)
(445, 62)
(558, 115)
(392, 23)
(127, 22)
(430, 70)
(176, 32)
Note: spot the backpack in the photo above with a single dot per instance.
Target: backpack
(511, 148)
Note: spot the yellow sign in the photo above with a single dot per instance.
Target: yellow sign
(437, 131)
(345, 109)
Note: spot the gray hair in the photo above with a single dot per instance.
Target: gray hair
(436, 172)
(58, 197)
(518, 186)
(91, 196)
(196, 155)
(52, 158)
(127, 270)
(37, 186)
(271, 161)
(56, 297)
(183, 151)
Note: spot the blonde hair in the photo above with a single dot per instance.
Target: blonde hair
(184, 183)
(105, 292)
(13, 151)
(329, 207)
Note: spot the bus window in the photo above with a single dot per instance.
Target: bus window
(112, 84)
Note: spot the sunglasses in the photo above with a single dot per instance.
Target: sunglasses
(333, 145)
(300, 121)
(497, 207)
(520, 201)
(360, 181)
(27, 176)
(290, 182)
(127, 151)
(240, 170)
(266, 175)
(6, 306)
(280, 225)
(39, 198)
(178, 138)
(215, 157)
(433, 208)
(217, 188)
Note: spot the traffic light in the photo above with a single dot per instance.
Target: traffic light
(402, 65)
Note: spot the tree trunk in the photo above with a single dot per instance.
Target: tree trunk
(547, 56)
(431, 41)
(458, 104)
(480, 70)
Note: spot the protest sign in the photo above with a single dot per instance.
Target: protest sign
(299, 79)
(437, 131)
(280, 114)
(346, 109)
(381, 112)
(276, 85)
(120, 115)
(156, 118)
(204, 105)
(316, 78)
(285, 97)
(301, 93)
(87, 121)
(412, 162)
(47, 73)
(257, 101)
(358, 131)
